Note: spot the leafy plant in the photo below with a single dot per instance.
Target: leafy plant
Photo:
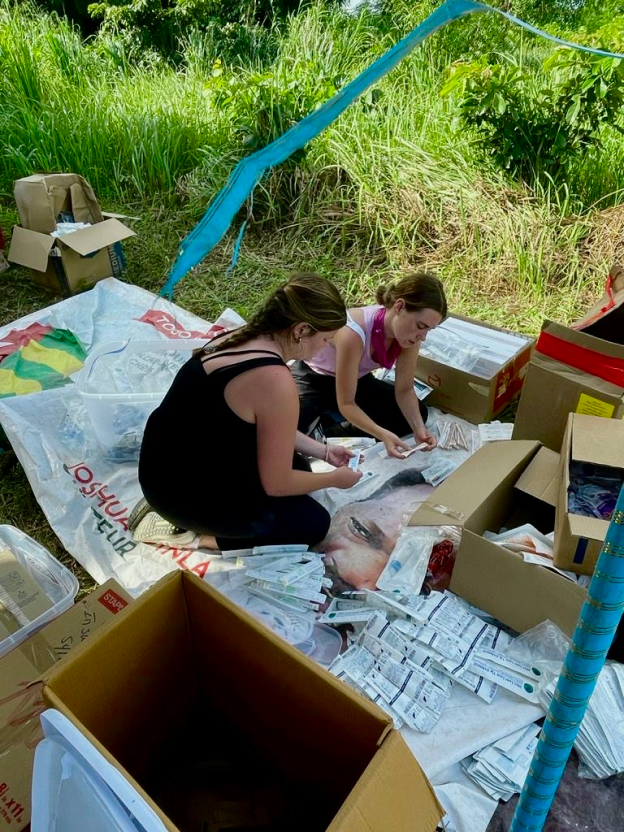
(540, 123)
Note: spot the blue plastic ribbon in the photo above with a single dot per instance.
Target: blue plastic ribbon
(248, 172)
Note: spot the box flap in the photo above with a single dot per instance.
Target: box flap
(41, 197)
(605, 319)
(582, 339)
(393, 795)
(453, 502)
(111, 215)
(541, 477)
(30, 248)
(98, 236)
(590, 527)
(598, 440)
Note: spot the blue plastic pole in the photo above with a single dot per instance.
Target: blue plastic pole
(593, 636)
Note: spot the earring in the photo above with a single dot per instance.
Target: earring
(297, 340)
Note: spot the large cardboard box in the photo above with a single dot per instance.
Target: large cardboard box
(187, 686)
(504, 484)
(469, 396)
(576, 370)
(21, 690)
(600, 442)
(76, 261)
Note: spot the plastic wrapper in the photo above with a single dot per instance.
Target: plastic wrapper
(593, 490)
(423, 555)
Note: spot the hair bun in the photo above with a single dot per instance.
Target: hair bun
(381, 295)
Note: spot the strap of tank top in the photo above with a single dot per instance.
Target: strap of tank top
(204, 358)
(355, 327)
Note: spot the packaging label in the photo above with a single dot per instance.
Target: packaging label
(590, 406)
(112, 601)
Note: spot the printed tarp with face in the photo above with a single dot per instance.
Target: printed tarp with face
(368, 519)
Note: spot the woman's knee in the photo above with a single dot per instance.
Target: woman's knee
(317, 525)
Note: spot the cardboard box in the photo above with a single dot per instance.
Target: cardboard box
(186, 673)
(576, 370)
(469, 396)
(504, 484)
(590, 439)
(21, 691)
(76, 261)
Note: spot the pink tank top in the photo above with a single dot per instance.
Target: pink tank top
(324, 362)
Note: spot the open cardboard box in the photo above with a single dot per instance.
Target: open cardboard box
(20, 693)
(187, 686)
(469, 396)
(588, 439)
(576, 370)
(76, 261)
(504, 484)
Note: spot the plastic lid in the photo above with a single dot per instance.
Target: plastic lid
(67, 794)
(66, 749)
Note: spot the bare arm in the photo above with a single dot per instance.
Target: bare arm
(407, 400)
(273, 395)
(349, 349)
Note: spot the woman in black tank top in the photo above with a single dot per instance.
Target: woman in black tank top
(221, 461)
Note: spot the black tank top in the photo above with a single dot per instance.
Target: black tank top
(194, 440)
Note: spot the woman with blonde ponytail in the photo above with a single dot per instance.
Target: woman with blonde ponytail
(387, 334)
(222, 464)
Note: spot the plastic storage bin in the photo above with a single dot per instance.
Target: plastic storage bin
(121, 383)
(58, 583)
(76, 789)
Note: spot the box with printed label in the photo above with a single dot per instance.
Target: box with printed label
(577, 369)
(21, 689)
(480, 395)
(505, 484)
(591, 476)
(74, 261)
(218, 723)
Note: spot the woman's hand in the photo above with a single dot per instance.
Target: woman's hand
(344, 477)
(338, 455)
(395, 447)
(421, 435)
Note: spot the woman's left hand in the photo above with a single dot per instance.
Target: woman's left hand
(338, 455)
(423, 435)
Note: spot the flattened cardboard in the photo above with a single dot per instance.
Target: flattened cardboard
(184, 650)
(21, 693)
(486, 491)
(578, 539)
(552, 389)
(469, 396)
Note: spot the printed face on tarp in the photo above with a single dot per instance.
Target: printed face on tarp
(363, 533)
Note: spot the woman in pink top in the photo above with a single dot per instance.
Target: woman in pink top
(389, 334)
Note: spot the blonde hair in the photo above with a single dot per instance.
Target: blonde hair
(419, 290)
(304, 298)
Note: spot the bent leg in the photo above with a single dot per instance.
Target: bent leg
(377, 399)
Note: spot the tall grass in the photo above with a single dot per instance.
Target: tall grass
(396, 182)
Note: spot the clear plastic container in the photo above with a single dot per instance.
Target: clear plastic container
(58, 583)
(121, 384)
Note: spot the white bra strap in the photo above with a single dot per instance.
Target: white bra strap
(356, 328)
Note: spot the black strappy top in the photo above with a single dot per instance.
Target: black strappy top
(195, 440)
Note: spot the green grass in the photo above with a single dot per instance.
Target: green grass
(395, 184)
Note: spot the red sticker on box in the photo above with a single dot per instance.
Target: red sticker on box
(113, 602)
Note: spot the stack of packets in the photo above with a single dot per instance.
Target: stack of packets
(290, 576)
(600, 740)
(407, 650)
(500, 769)
(534, 547)
(495, 431)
